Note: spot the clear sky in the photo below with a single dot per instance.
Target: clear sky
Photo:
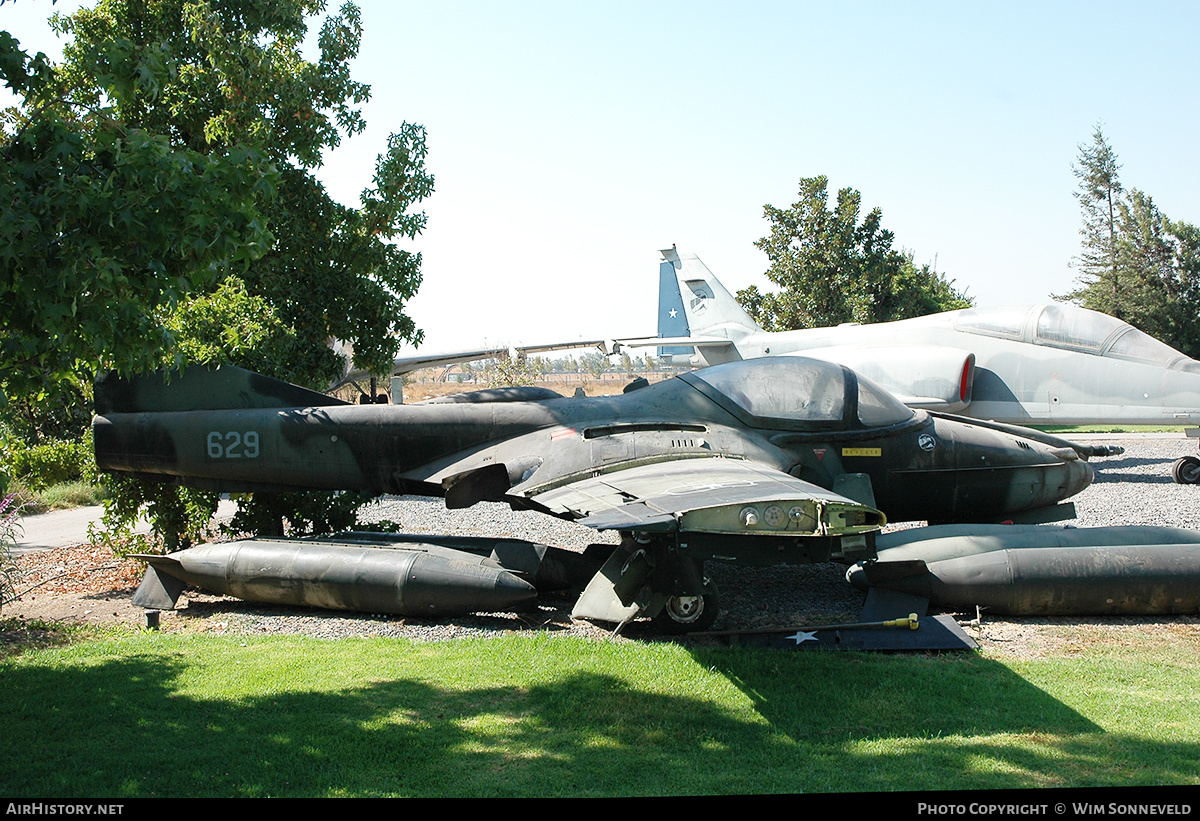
(572, 140)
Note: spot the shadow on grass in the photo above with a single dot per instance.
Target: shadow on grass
(950, 721)
(123, 726)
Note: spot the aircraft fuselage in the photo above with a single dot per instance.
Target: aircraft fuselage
(920, 468)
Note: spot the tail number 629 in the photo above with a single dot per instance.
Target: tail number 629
(233, 444)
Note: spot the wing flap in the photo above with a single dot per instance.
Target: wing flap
(716, 495)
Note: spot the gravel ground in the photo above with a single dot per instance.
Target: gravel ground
(87, 584)
(1136, 488)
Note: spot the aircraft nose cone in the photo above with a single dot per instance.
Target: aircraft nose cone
(1063, 474)
(1080, 475)
(1000, 472)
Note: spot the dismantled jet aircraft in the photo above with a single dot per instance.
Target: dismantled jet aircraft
(782, 459)
(1051, 364)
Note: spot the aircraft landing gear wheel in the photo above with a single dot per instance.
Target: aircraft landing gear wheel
(689, 614)
(1186, 470)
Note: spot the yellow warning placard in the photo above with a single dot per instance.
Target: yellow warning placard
(862, 452)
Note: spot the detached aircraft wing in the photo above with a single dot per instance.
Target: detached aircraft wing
(434, 359)
(706, 495)
(437, 359)
(406, 364)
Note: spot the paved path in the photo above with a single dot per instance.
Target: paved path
(63, 528)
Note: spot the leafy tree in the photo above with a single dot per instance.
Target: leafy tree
(222, 85)
(232, 73)
(62, 412)
(594, 363)
(1136, 263)
(832, 268)
(230, 324)
(106, 224)
(509, 370)
(1100, 196)
(1158, 260)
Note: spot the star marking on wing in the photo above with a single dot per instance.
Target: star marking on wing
(673, 313)
(800, 636)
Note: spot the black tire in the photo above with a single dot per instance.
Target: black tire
(1186, 470)
(689, 614)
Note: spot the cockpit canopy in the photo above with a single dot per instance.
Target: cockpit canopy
(798, 394)
(1060, 325)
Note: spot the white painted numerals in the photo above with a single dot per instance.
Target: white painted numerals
(233, 444)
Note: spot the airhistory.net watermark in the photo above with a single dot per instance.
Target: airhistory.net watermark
(48, 808)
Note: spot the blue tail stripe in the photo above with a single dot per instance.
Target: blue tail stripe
(671, 319)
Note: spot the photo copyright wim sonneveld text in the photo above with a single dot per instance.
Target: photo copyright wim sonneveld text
(1060, 808)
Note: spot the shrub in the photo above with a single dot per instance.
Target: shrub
(8, 538)
(50, 463)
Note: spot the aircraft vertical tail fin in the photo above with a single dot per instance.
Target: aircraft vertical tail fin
(198, 387)
(706, 307)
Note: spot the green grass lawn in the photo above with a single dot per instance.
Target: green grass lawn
(150, 714)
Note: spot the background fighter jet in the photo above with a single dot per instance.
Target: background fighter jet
(1026, 364)
(782, 459)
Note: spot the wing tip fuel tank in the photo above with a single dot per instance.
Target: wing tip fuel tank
(1044, 571)
(412, 580)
